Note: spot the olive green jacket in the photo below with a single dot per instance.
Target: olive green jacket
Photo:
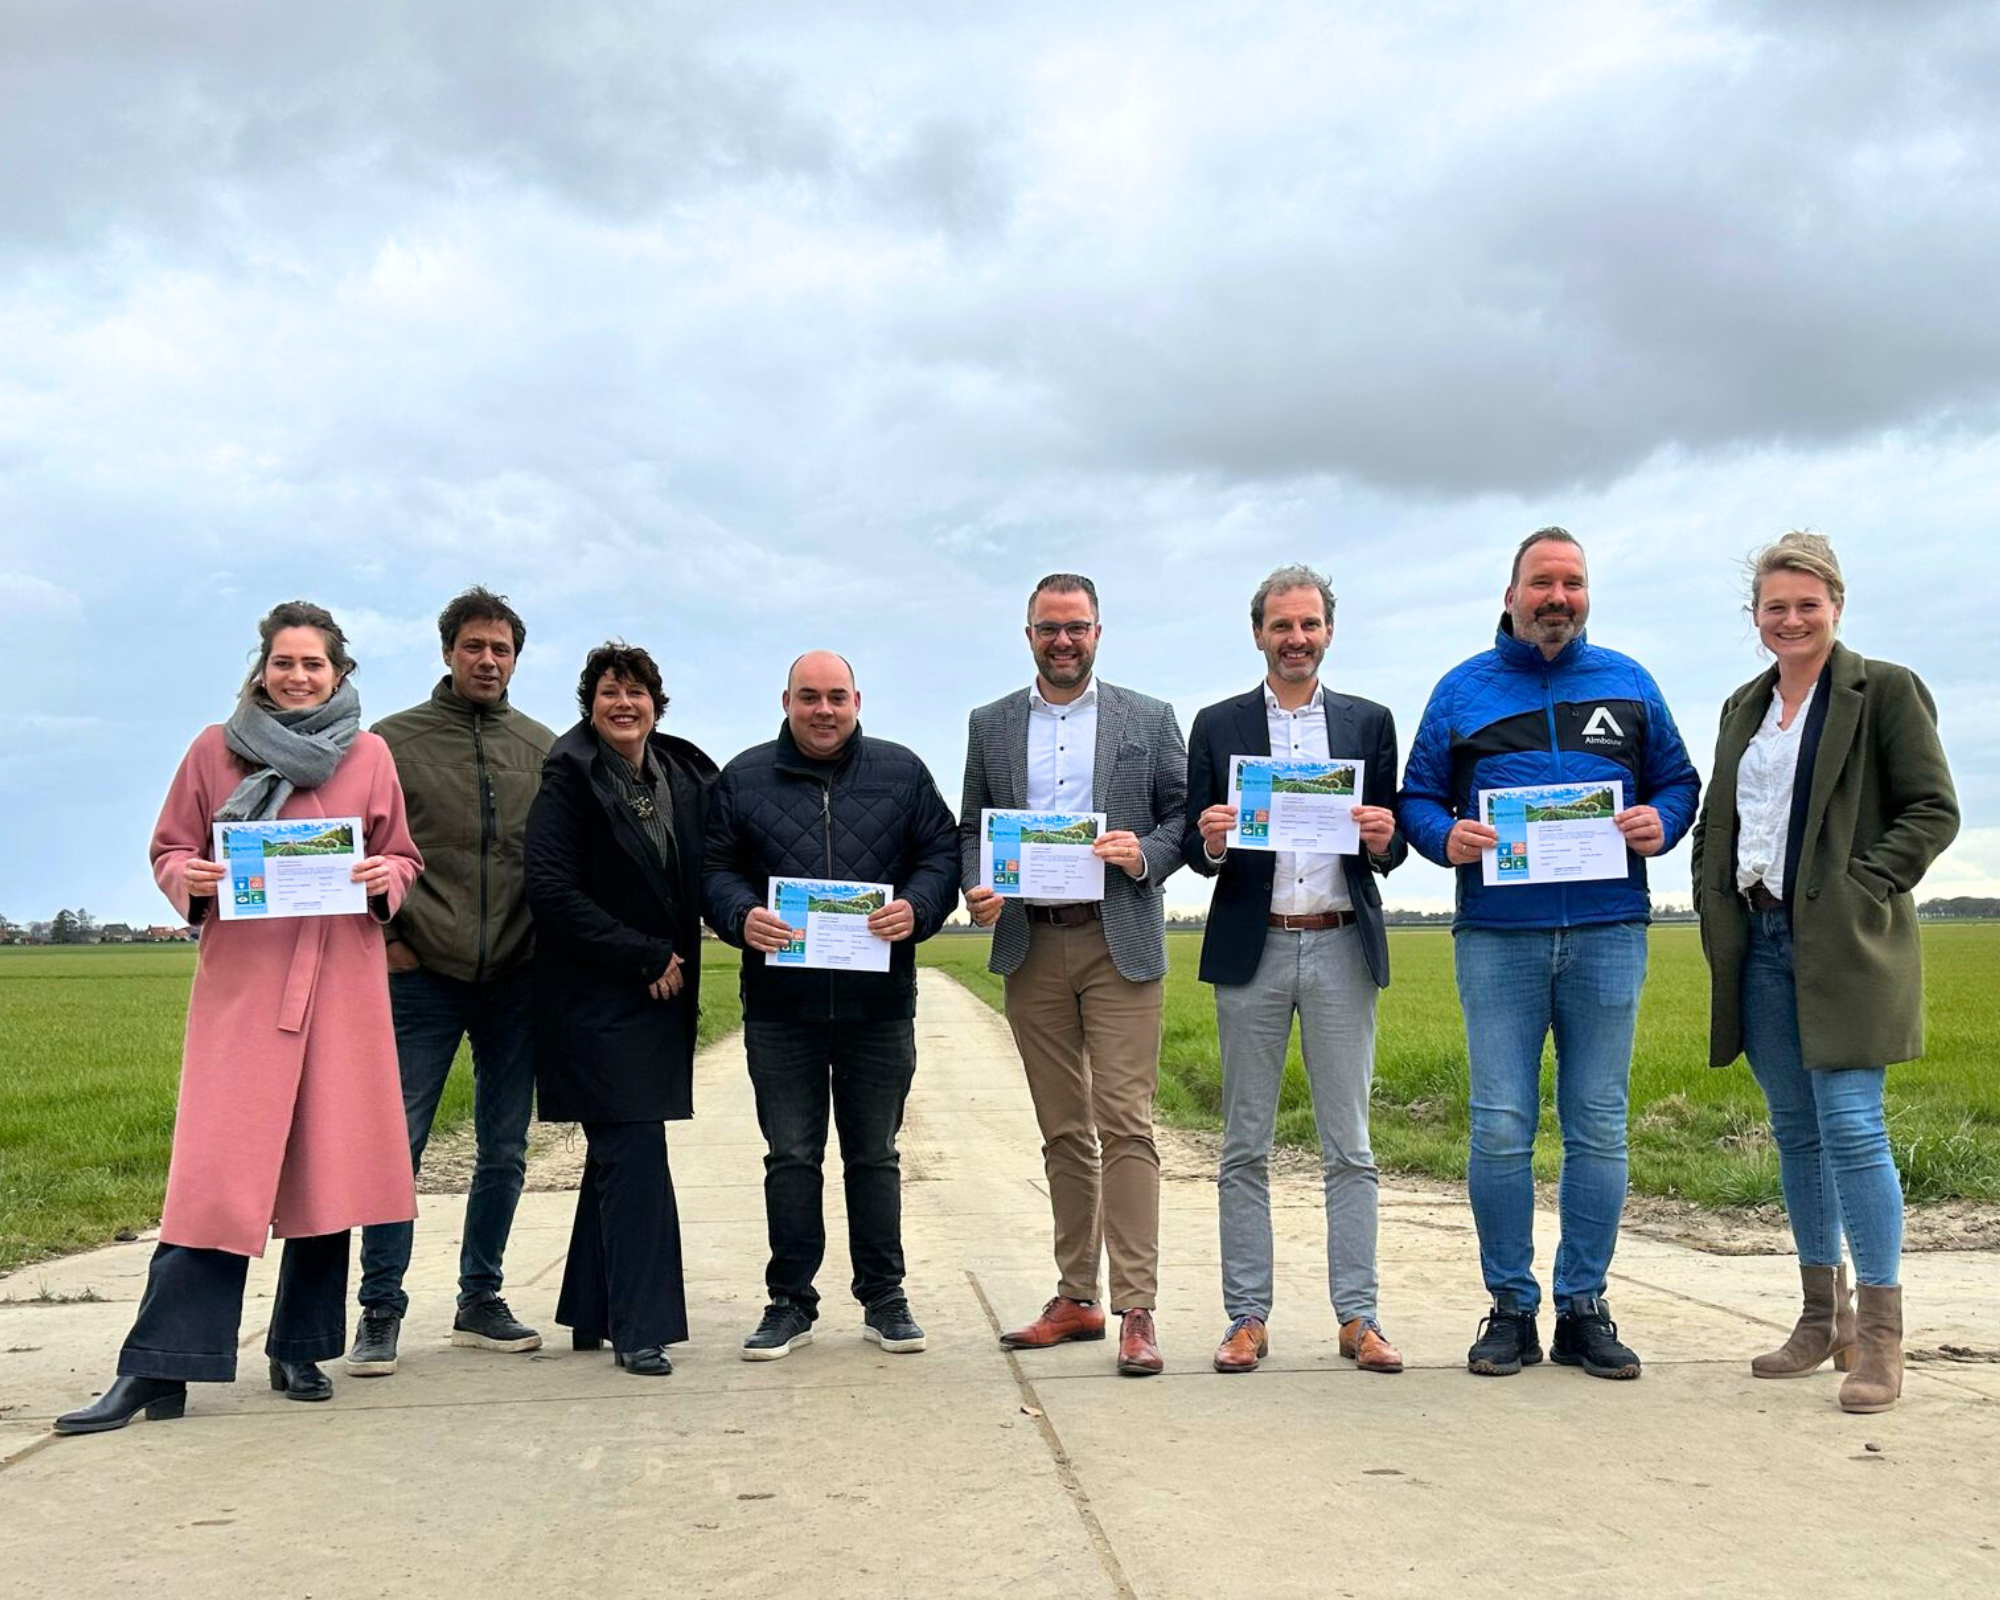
(469, 774)
(1879, 810)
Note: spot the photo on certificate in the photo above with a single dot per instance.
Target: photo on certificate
(297, 868)
(1306, 807)
(829, 923)
(1553, 833)
(1041, 855)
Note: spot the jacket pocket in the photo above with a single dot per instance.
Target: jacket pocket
(1877, 887)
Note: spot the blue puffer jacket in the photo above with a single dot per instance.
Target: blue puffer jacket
(873, 814)
(1509, 717)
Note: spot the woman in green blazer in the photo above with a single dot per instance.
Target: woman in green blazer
(1828, 800)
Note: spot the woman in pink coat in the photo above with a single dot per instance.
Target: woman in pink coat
(291, 1111)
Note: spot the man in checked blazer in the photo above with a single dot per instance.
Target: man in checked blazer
(1085, 979)
(1295, 934)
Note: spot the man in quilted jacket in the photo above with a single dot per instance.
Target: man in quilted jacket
(825, 801)
(1546, 706)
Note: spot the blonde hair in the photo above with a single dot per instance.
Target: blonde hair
(1798, 551)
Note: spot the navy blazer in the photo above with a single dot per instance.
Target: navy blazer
(1237, 915)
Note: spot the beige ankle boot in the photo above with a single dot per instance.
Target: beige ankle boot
(1825, 1328)
(1877, 1378)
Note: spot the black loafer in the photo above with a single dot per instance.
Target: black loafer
(650, 1362)
(301, 1380)
(160, 1398)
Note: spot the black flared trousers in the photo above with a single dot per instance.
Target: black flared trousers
(192, 1310)
(622, 1281)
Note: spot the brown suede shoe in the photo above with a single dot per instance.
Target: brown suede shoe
(1138, 1348)
(1243, 1346)
(1362, 1343)
(1061, 1321)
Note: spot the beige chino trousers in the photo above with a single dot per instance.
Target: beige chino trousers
(1090, 1046)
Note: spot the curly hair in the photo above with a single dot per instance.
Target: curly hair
(625, 661)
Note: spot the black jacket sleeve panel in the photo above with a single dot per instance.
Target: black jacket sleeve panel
(1204, 789)
(931, 885)
(1379, 789)
(727, 894)
(556, 867)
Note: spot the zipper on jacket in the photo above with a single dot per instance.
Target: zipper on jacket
(1555, 755)
(486, 832)
(826, 815)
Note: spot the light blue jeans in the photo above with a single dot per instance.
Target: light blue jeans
(1516, 986)
(1833, 1148)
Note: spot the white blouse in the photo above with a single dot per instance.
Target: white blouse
(1764, 796)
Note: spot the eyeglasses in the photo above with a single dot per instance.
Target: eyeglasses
(1075, 631)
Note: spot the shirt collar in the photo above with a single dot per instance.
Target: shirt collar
(1317, 701)
(1085, 701)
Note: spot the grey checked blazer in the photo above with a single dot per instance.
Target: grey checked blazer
(1139, 782)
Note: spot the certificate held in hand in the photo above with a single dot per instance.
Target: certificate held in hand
(829, 923)
(297, 868)
(1306, 807)
(1041, 855)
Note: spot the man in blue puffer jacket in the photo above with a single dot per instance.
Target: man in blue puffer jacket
(1544, 705)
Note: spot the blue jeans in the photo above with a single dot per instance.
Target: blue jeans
(1833, 1149)
(1515, 986)
(863, 1070)
(432, 1014)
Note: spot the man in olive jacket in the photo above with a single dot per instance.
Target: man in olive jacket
(460, 964)
(824, 802)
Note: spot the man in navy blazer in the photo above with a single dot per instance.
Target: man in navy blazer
(1295, 934)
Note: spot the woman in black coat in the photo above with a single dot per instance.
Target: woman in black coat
(613, 871)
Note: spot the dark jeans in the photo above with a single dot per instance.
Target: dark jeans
(432, 1014)
(863, 1069)
(192, 1310)
(622, 1281)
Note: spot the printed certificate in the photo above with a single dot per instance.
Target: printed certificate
(289, 869)
(1306, 807)
(1041, 855)
(1553, 833)
(830, 921)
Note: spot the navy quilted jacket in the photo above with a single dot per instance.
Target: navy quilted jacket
(872, 815)
(1510, 717)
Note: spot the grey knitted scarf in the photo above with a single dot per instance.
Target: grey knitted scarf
(286, 750)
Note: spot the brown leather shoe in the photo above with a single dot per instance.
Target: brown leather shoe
(1243, 1346)
(1138, 1346)
(1362, 1343)
(1061, 1320)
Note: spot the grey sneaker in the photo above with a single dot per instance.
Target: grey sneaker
(892, 1327)
(486, 1322)
(374, 1352)
(784, 1328)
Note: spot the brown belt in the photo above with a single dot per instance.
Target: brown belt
(1315, 923)
(1073, 916)
(1758, 897)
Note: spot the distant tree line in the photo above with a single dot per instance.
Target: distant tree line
(80, 927)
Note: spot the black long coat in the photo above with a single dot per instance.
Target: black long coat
(607, 921)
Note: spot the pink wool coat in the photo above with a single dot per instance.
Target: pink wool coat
(291, 1107)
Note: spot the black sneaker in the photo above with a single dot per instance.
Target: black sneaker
(1507, 1342)
(374, 1352)
(487, 1323)
(783, 1329)
(1586, 1337)
(892, 1327)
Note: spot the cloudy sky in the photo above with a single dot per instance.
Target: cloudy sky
(738, 330)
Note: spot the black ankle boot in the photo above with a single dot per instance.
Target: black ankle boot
(585, 1341)
(301, 1380)
(650, 1362)
(160, 1398)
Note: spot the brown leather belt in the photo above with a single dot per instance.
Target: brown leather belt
(1758, 897)
(1074, 916)
(1315, 923)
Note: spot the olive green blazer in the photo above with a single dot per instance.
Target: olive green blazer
(1880, 809)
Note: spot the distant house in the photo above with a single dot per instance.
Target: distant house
(159, 933)
(116, 933)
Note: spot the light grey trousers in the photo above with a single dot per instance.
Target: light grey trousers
(1323, 977)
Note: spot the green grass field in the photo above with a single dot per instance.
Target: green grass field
(89, 1075)
(87, 1079)
(1696, 1134)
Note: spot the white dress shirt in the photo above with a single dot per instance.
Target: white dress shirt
(1764, 780)
(1303, 885)
(1062, 757)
